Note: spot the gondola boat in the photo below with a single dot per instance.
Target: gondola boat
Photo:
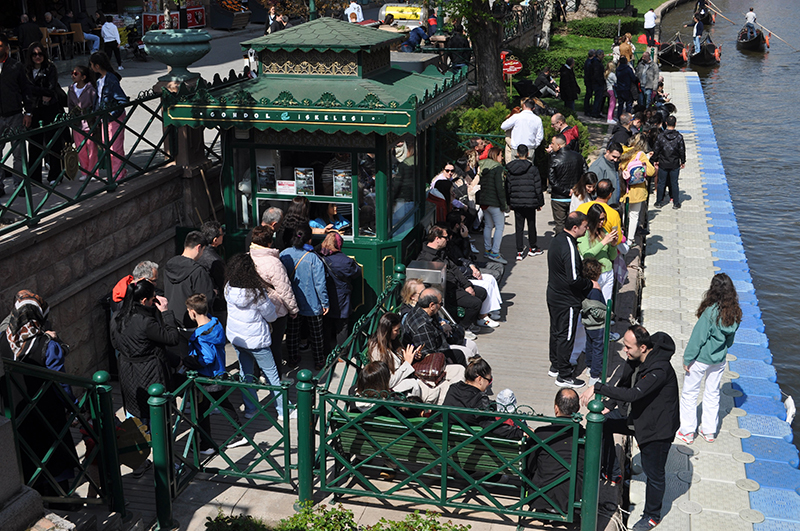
(706, 16)
(756, 43)
(674, 52)
(709, 54)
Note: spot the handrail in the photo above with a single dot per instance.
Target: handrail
(41, 418)
(149, 145)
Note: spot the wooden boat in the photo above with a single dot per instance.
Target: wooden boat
(709, 54)
(707, 17)
(674, 52)
(756, 43)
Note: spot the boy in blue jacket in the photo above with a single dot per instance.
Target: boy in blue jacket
(207, 357)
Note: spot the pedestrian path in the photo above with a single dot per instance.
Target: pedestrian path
(748, 478)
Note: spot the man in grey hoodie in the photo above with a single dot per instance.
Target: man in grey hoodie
(184, 276)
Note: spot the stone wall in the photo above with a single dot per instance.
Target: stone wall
(73, 259)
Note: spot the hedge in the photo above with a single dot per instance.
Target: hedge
(606, 27)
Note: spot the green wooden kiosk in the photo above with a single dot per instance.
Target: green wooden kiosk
(329, 118)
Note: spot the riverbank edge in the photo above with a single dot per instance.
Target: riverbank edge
(765, 434)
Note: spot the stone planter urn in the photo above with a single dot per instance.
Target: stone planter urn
(177, 48)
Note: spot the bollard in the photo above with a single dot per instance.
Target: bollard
(591, 466)
(162, 455)
(108, 434)
(305, 437)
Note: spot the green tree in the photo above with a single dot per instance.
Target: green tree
(485, 30)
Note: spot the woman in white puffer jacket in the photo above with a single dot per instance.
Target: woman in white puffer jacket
(250, 311)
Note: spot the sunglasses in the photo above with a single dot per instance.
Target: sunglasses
(75, 73)
(37, 54)
(451, 170)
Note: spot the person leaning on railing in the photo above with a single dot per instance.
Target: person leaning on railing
(30, 339)
(110, 94)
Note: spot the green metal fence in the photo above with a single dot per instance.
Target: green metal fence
(63, 443)
(194, 418)
(443, 461)
(147, 145)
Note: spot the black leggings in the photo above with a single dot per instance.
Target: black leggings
(113, 46)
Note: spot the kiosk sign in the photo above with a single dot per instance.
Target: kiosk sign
(512, 66)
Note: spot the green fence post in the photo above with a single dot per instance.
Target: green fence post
(108, 433)
(591, 466)
(609, 310)
(305, 437)
(162, 455)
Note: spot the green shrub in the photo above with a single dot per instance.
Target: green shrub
(240, 522)
(605, 27)
(341, 519)
(320, 517)
(483, 120)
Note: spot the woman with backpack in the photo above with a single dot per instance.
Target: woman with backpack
(635, 167)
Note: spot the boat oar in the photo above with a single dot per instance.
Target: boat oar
(779, 37)
(717, 11)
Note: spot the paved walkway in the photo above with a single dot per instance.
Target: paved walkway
(711, 486)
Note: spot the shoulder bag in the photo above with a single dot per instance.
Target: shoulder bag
(431, 369)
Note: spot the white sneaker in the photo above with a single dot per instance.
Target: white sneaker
(239, 442)
(82, 178)
(207, 451)
(474, 249)
(468, 334)
(120, 67)
(292, 415)
(495, 315)
(487, 322)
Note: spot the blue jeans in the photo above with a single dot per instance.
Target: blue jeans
(94, 40)
(672, 175)
(697, 45)
(248, 358)
(493, 219)
(751, 30)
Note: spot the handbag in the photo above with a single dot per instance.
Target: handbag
(431, 368)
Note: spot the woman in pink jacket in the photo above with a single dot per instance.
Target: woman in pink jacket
(270, 268)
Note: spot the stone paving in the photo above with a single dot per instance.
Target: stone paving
(711, 486)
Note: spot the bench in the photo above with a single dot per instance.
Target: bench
(360, 442)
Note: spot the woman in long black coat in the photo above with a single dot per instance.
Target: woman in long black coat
(141, 331)
(47, 100)
(568, 86)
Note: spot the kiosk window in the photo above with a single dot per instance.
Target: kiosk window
(244, 188)
(402, 183)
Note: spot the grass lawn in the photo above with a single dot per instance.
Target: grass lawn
(577, 45)
(644, 5)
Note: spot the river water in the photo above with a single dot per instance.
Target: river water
(751, 100)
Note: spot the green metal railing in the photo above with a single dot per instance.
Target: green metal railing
(353, 351)
(451, 464)
(521, 20)
(148, 145)
(46, 419)
(178, 434)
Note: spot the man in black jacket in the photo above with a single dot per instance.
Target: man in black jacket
(649, 388)
(458, 288)
(13, 87)
(566, 289)
(669, 157)
(184, 276)
(545, 468)
(566, 168)
(525, 197)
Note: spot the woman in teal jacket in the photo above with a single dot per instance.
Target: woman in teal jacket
(493, 203)
(719, 316)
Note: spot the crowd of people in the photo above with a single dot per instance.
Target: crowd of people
(31, 97)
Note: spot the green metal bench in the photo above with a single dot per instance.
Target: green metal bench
(370, 436)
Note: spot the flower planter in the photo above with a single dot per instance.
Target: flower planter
(177, 48)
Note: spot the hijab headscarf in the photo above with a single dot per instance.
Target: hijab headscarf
(27, 322)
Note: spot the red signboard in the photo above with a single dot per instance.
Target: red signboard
(196, 17)
(511, 67)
